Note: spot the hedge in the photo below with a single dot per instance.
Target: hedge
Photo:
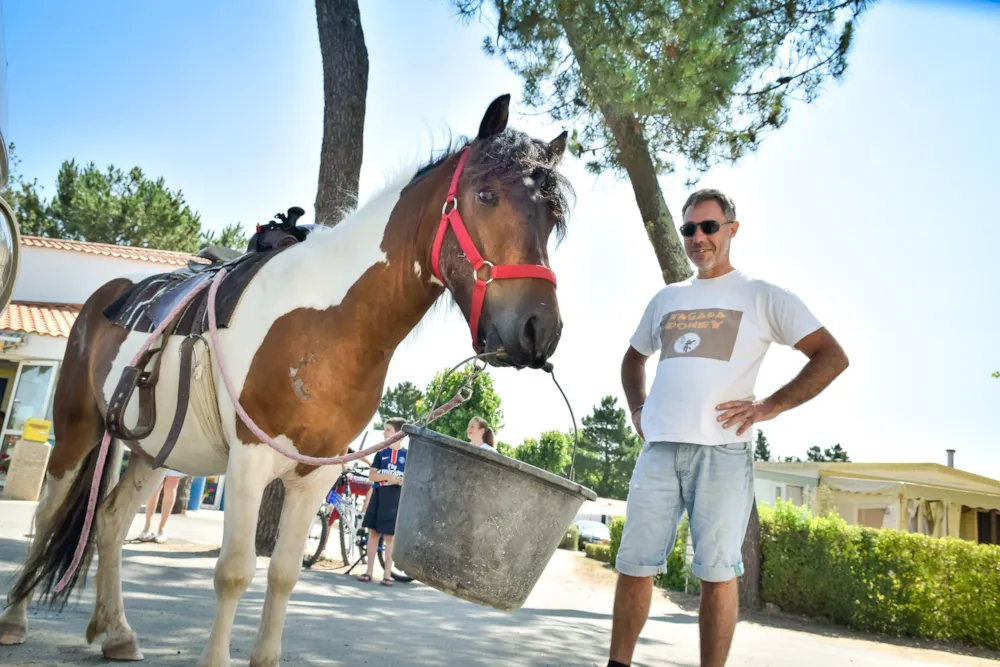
(884, 581)
(615, 528)
(571, 540)
(601, 552)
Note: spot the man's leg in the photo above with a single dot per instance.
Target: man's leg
(718, 489)
(717, 620)
(653, 511)
(632, 598)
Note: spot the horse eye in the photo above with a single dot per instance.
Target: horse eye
(486, 197)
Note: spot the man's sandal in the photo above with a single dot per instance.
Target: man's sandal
(365, 578)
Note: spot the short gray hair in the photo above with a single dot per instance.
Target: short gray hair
(708, 194)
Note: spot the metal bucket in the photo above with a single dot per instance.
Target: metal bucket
(476, 524)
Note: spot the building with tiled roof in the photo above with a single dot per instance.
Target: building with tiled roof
(54, 280)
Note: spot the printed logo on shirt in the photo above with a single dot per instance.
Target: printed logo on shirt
(709, 333)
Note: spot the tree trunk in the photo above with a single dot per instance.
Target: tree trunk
(270, 514)
(751, 593)
(183, 494)
(633, 155)
(345, 86)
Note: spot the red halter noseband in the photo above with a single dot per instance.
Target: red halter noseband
(451, 217)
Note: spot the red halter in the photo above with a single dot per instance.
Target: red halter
(451, 217)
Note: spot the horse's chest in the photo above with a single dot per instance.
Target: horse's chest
(314, 380)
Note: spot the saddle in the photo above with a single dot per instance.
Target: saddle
(146, 305)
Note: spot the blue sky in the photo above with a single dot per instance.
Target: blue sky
(875, 204)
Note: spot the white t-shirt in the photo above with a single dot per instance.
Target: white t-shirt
(712, 335)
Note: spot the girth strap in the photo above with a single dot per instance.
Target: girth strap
(183, 398)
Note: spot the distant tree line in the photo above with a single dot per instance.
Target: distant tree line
(112, 206)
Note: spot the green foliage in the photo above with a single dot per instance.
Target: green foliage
(616, 527)
(403, 400)
(675, 578)
(835, 453)
(232, 236)
(599, 552)
(884, 581)
(703, 81)
(505, 448)
(571, 540)
(550, 452)
(112, 206)
(485, 402)
(608, 450)
(761, 451)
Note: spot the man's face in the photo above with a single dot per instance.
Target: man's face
(707, 251)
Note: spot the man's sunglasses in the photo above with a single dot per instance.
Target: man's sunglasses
(708, 227)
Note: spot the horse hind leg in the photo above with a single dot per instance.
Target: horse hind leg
(113, 521)
(14, 619)
(302, 497)
(71, 466)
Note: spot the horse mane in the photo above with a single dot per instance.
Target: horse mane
(511, 157)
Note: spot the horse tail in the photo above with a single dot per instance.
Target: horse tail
(55, 545)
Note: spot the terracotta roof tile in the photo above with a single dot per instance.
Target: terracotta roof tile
(150, 255)
(45, 319)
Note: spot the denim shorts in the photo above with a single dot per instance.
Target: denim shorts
(713, 483)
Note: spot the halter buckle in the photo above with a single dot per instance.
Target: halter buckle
(454, 206)
(475, 271)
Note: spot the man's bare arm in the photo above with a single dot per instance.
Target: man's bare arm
(634, 383)
(827, 360)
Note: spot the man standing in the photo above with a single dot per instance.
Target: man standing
(711, 332)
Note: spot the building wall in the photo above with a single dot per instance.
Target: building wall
(62, 276)
(768, 484)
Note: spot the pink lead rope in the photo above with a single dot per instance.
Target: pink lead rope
(459, 398)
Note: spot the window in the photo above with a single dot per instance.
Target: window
(777, 493)
(795, 493)
(872, 518)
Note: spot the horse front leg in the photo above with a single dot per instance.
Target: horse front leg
(302, 497)
(113, 521)
(250, 469)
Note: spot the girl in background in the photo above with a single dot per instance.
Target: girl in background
(480, 434)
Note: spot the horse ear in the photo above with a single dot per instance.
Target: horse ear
(495, 119)
(557, 147)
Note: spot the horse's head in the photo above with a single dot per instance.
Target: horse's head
(510, 198)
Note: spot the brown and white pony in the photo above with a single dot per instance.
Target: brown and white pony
(307, 351)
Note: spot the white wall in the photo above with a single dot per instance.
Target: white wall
(63, 276)
(38, 347)
(765, 488)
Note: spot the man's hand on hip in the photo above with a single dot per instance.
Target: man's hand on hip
(746, 414)
(637, 421)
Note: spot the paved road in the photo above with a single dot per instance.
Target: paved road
(333, 620)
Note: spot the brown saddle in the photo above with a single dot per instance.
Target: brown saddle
(146, 305)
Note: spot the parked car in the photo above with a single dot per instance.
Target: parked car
(593, 532)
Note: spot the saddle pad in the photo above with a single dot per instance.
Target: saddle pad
(143, 307)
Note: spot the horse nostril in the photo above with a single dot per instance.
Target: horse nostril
(529, 334)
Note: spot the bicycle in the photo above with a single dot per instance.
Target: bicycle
(343, 505)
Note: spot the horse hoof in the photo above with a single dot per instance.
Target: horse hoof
(122, 650)
(11, 634)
